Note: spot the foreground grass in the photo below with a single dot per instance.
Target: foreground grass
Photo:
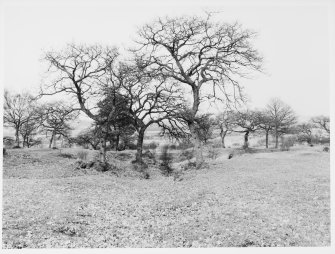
(262, 199)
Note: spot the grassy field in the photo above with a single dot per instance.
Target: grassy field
(258, 199)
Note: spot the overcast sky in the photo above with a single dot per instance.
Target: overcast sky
(293, 38)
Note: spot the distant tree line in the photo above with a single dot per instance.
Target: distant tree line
(276, 119)
(28, 117)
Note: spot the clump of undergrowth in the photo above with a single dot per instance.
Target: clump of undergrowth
(326, 149)
(142, 167)
(166, 161)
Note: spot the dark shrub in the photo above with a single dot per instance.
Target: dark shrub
(131, 146)
(153, 145)
(326, 149)
(190, 165)
(101, 166)
(173, 147)
(4, 151)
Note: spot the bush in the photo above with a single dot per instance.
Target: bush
(173, 147)
(326, 149)
(153, 145)
(189, 165)
(166, 160)
(82, 155)
(131, 146)
(287, 143)
(8, 141)
(141, 167)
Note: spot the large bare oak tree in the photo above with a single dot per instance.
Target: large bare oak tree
(80, 71)
(207, 57)
(151, 97)
(282, 117)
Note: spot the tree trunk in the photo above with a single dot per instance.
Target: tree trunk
(17, 137)
(223, 135)
(52, 137)
(23, 141)
(27, 142)
(277, 140)
(102, 155)
(139, 145)
(54, 141)
(267, 139)
(246, 140)
(199, 159)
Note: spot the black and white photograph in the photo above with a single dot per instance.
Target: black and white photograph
(167, 124)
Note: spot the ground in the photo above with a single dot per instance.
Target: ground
(254, 199)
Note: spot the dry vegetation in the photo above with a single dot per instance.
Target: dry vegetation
(256, 199)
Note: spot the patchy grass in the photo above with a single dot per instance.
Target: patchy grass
(258, 199)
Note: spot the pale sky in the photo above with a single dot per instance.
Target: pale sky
(293, 38)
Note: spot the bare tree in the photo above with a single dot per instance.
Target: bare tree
(151, 98)
(203, 56)
(79, 71)
(55, 119)
(266, 124)
(225, 122)
(305, 132)
(18, 110)
(282, 117)
(322, 122)
(246, 122)
(31, 126)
